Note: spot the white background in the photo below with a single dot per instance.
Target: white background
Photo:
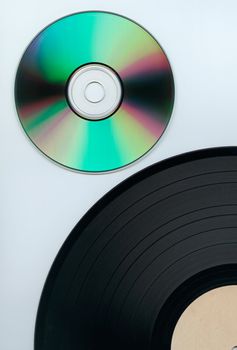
(41, 201)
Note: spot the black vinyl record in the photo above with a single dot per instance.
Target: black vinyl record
(142, 254)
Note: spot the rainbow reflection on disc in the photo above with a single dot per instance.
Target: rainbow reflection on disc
(76, 41)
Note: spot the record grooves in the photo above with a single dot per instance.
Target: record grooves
(142, 254)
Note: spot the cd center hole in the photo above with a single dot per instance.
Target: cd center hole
(94, 92)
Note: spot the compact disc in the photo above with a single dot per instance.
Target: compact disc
(94, 91)
(142, 255)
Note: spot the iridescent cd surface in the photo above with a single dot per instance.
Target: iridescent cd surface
(41, 97)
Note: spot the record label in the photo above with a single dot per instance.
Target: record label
(209, 323)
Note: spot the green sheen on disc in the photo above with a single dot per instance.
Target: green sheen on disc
(145, 109)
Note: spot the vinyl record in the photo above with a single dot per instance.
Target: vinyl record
(142, 254)
(94, 91)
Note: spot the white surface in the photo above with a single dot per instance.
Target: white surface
(94, 91)
(41, 201)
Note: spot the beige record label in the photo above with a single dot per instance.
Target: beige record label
(209, 323)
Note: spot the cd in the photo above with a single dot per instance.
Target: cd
(94, 91)
(142, 255)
